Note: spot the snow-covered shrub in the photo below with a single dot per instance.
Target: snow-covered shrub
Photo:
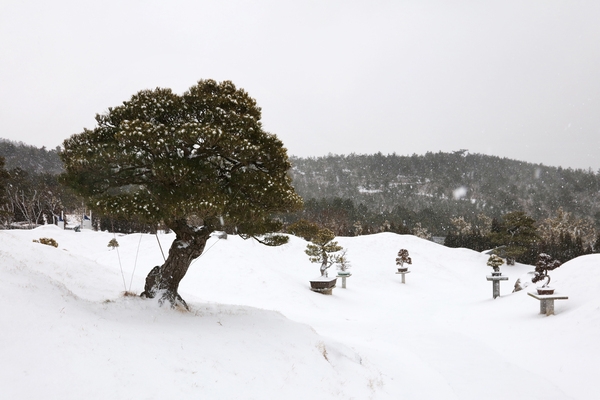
(47, 241)
(495, 262)
(113, 244)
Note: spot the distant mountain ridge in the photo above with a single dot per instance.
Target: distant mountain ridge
(438, 185)
(449, 184)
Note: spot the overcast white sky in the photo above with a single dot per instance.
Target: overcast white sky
(512, 78)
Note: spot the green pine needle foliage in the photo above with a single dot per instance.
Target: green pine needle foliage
(323, 247)
(203, 155)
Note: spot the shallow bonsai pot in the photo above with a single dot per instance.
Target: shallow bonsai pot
(545, 290)
(323, 285)
(496, 273)
(343, 273)
(402, 269)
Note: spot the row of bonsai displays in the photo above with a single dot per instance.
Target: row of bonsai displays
(324, 250)
(543, 264)
(544, 293)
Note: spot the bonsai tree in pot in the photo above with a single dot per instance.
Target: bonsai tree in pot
(402, 259)
(544, 264)
(343, 264)
(495, 262)
(322, 250)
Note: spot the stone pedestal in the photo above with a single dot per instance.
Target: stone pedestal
(344, 275)
(403, 273)
(547, 301)
(496, 283)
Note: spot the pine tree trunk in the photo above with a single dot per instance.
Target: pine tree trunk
(163, 281)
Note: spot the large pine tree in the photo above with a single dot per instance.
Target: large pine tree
(191, 162)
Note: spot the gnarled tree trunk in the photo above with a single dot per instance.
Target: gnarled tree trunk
(163, 281)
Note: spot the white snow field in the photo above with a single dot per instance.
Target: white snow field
(256, 330)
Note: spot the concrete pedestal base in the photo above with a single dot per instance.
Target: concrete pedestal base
(403, 273)
(496, 283)
(547, 301)
(344, 276)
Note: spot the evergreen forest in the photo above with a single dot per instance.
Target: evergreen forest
(459, 199)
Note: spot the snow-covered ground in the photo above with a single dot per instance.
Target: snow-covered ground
(256, 331)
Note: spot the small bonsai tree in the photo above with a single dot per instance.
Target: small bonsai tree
(544, 264)
(495, 262)
(113, 244)
(342, 261)
(322, 249)
(403, 258)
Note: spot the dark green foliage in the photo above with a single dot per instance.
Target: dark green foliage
(304, 229)
(474, 240)
(270, 239)
(121, 225)
(162, 157)
(517, 232)
(344, 218)
(563, 247)
(322, 250)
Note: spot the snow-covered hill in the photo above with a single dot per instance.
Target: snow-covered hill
(256, 331)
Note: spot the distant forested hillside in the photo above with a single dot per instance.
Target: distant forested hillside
(360, 194)
(433, 188)
(30, 158)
